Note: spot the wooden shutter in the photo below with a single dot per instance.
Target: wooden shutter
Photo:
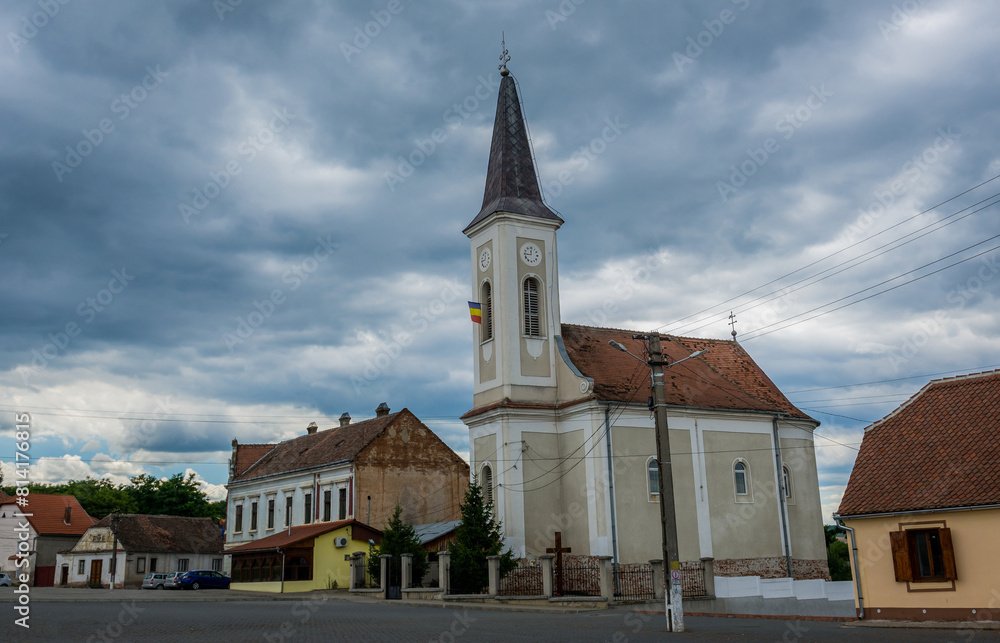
(947, 553)
(901, 556)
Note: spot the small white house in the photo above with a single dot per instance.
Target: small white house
(145, 544)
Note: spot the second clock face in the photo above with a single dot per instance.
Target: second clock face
(530, 254)
(484, 259)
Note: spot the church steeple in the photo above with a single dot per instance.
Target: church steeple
(511, 181)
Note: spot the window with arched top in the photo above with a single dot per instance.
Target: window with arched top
(741, 481)
(532, 312)
(487, 477)
(487, 299)
(653, 478)
(786, 481)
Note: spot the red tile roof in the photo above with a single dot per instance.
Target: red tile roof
(289, 537)
(339, 444)
(725, 377)
(49, 513)
(939, 449)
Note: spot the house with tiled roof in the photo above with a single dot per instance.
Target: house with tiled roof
(48, 524)
(126, 547)
(355, 471)
(923, 505)
(561, 431)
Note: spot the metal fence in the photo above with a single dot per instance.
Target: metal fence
(523, 580)
(693, 578)
(577, 579)
(634, 582)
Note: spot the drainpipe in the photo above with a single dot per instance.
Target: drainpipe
(278, 549)
(782, 507)
(611, 492)
(857, 569)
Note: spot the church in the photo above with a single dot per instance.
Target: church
(561, 435)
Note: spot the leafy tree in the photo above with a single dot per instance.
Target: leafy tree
(837, 556)
(398, 538)
(175, 496)
(478, 535)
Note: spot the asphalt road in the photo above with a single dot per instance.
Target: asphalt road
(321, 619)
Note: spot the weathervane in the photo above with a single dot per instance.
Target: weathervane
(504, 57)
(732, 322)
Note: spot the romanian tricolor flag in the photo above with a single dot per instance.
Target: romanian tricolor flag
(476, 310)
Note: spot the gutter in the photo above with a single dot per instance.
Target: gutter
(857, 568)
(910, 512)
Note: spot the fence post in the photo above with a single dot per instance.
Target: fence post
(708, 568)
(607, 578)
(659, 581)
(406, 578)
(547, 574)
(444, 571)
(384, 582)
(493, 562)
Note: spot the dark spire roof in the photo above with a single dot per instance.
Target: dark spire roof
(511, 181)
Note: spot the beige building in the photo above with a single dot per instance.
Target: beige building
(546, 393)
(923, 506)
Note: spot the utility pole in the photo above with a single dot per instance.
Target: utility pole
(668, 516)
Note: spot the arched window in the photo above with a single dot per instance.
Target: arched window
(653, 476)
(786, 481)
(487, 325)
(741, 479)
(532, 322)
(487, 477)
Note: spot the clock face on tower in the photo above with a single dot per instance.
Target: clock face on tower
(484, 259)
(530, 254)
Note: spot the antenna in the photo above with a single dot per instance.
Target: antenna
(732, 323)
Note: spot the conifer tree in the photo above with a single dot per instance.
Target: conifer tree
(399, 538)
(479, 535)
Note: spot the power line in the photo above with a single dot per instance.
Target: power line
(897, 379)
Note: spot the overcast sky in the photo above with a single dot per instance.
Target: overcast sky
(232, 219)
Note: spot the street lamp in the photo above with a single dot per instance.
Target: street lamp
(668, 518)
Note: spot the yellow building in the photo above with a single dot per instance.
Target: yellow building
(312, 557)
(923, 506)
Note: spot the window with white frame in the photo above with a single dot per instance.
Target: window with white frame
(487, 478)
(741, 481)
(81, 567)
(532, 312)
(288, 509)
(182, 564)
(786, 481)
(216, 564)
(653, 478)
(487, 325)
(140, 565)
(238, 520)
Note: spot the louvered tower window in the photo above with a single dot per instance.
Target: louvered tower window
(532, 325)
(487, 312)
(488, 484)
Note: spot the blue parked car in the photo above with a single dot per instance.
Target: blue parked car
(203, 579)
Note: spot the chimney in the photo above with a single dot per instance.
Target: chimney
(382, 410)
(67, 514)
(312, 428)
(345, 419)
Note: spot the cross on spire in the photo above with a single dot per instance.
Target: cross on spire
(732, 323)
(504, 57)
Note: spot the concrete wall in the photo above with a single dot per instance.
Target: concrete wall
(974, 537)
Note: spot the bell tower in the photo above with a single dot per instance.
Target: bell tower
(514, 269)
